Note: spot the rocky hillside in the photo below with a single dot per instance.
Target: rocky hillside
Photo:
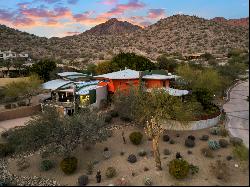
(179, 33)
(244, 22)
(113, 26)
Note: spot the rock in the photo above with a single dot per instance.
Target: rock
(204, 137)
(178, 155)
(145, 169)
(189, 143)
(235, 141)
(223, 143)
(166, 138)
(132, 158)
(229, 158)
(83, 180)
(177, 135)
(166, 152)
(190, 152)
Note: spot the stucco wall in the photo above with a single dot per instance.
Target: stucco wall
(101, 93)
(193, 125)
(19, 112)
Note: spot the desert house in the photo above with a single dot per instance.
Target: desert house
(10, 54)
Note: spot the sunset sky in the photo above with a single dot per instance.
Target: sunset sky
(67, 17)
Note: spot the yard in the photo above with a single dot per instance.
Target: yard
(136, 172)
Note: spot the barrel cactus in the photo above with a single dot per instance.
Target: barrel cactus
(212, 144)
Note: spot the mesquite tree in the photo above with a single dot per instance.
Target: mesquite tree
(154, 130)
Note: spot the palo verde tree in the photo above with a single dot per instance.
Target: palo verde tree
(154, 130)
(24, 89)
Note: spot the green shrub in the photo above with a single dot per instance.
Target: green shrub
(110, 172)
(207, 152)
(69, 165)
(21, 103)
(6, 149)
(46, 165)
(7, 106)
(108, 118)
(136, 138)
(114, 113)
(179, 168)
(193, 169)
(241, 152)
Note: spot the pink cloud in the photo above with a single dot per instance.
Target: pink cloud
(108, 2)
(156, 13)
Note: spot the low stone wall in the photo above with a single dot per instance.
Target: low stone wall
(192, 125)
(20, 112)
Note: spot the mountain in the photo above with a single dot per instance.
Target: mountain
(113, 26)
(244, 22)
(178, 33)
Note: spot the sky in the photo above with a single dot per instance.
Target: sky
(59, 18)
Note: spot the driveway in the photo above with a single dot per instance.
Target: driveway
(8, 124)
(237, 109)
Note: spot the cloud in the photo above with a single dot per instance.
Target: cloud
(156, 13)
(73, 2)
(70, 33)
(108, 2)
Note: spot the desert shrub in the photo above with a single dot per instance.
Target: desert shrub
(126, 119)
(166, 152)
(83, 180)
(108, 118)
(172, 141)
(223, 131)
(6, 149)
(114, 113)
(7, 106)
(110, 172)
(235, 141)
(45, 154)
(69, 165)
(223, 143)
(213, 144)
(191, 137)
(22, 164)
(241, 152)
(13, 105)
(193, 169)
(207, 152)
(21, 103)
(103, 104)
(46, 165)
(136, 138)
(165, 138)
(90, 167)
(132, 158)
(204, 137)
(179, 168)
(147, 181)
(142, 153)
(221, 170)
(214, 130)
(189, 143)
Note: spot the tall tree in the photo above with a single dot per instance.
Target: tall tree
(8, 63)
(43, 68)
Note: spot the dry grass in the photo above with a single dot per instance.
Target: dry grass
(4, 81)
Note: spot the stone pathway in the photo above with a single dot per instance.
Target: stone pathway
(237, 109)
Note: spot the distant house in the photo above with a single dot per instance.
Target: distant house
(10, 54)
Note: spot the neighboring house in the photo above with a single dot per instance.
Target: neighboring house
(10, 54)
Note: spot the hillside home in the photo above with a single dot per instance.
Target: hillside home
(10, 54)
(123, 79)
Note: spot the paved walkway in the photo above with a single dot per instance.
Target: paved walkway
(237, 109)
(5, 125)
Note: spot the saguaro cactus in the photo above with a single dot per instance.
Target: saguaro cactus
(154, 130)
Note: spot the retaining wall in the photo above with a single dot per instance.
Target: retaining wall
(20, 112)
(192, 125)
